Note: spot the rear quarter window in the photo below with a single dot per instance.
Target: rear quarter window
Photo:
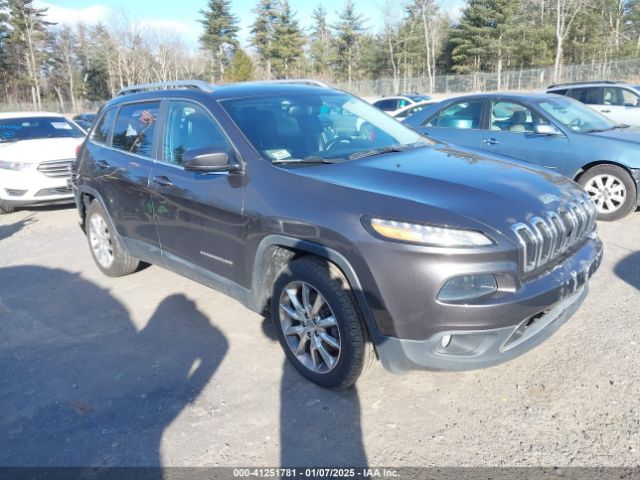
(102, 131)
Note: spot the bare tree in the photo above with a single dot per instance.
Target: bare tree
(566, 12)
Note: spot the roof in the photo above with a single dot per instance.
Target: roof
(8, 115)
(597, 83)
(221, 92)
(506, 95)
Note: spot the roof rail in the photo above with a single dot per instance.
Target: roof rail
(177, 84)
(301, 81)
(605, 82)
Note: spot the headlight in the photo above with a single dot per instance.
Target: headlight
(13, 165)
(429, 235)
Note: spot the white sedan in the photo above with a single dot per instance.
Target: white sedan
(37, 154)
(413, 108)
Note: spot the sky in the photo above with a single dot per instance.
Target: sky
(183, 15)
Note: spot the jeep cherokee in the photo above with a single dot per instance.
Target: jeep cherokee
(358, 236)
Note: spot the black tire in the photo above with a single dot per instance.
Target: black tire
(622, 177)
(356, 355)
(122, 263)
(6, 207)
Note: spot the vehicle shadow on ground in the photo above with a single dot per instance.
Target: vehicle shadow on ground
(80, 385)
(11, 229)
(628, 269)
(318, 427)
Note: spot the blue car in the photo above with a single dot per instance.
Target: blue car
(553, 131)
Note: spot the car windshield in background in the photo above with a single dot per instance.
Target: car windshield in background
(32, 128)
(577, 117)
(318, 128)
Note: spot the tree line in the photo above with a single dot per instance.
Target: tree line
(418, 38)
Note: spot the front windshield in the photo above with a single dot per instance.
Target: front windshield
(32, 128)
(575, 116)
(320, 127)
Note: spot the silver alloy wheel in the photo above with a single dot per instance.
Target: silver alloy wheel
(100, 240)
(607, 192)
(310, 327)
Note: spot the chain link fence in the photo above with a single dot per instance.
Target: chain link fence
(52, 106)
(529, 79)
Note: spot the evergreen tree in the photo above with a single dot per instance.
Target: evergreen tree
(241, 66)
(320, 49)
(286, 48)
(348, 32)
(220, 35)
(484, 37)
(26, 44)
(262, 33)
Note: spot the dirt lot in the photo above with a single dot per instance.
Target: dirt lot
(155, 369)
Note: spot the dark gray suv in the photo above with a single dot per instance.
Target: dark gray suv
(358, 236)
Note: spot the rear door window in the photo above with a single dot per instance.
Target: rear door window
(462, 115)
(135, 128)
(387, 105)
(588, 95)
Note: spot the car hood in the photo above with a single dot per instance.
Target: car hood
(630, 134)
(487, 189)
(39, 150)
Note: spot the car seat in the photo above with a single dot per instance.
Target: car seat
(517, 121)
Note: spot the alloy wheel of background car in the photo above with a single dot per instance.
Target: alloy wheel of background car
(6, 208)
(607, 192)
(612, 190)
(309, 327)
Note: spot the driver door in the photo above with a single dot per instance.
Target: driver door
(511, 133)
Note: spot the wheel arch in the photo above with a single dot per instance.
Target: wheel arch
(275, 251)
(596, 163)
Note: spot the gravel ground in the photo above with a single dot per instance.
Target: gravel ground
(154, 369)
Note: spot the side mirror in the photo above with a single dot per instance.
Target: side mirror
(546, 130)
(209, 160)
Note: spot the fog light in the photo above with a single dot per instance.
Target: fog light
(466, 287)
(446, 340)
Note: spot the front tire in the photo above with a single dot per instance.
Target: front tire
(318, 324)
(612, 190)
(106, 249)
(6, 207)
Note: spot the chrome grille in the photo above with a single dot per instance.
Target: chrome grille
(544, 238)
(57, 168)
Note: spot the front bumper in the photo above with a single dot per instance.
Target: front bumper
(31, 187)
(471, 340)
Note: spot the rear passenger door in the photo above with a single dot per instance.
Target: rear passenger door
(620, 105)
(198, 215)
(458, 123)
(122, 150)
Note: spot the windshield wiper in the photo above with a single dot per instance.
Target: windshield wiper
(622, 125)
(389, 149)
(312, 159)
(598, 130)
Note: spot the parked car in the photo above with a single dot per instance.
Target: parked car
(409, 110)
(37, 151)
(616, 100)
(356, 242)
(85, 120)
(393, 103)
(556, 132)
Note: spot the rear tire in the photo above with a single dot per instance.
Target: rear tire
(324, 336)
(6, 207)
(106, 249)
(612, 190)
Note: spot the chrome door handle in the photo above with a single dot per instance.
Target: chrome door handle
(490, 141)
(605, 111)
(102, 165)
(162, 181)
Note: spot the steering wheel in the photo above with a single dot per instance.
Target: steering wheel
(576, 122)
(337, 140)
